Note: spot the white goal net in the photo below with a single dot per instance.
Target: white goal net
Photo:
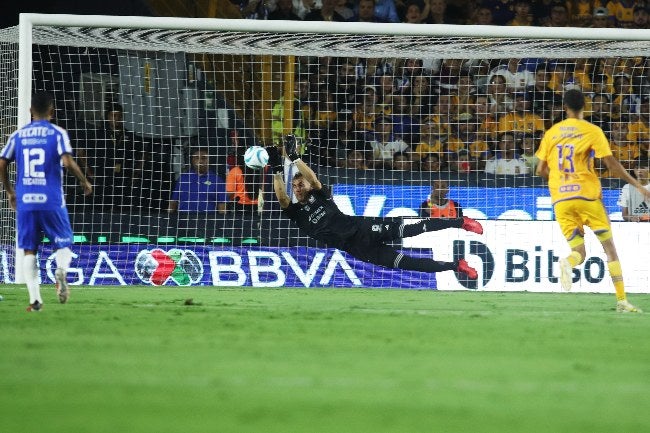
(394, 118)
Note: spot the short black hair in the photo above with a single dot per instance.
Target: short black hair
(42, 102)
(574, 99)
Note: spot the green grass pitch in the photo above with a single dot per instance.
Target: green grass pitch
(137, 359)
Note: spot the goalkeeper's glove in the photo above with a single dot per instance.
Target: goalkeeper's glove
(291, 147)
(275, 159)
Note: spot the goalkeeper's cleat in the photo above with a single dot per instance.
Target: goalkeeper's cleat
(472, 226)
(464, 268)
(625, 307)
(566, 274)
(291, 147)
(35, 306)
(62, 289)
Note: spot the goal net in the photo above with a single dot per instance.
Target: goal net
(395, 119)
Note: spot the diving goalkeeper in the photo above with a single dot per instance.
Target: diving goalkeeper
(316, 214)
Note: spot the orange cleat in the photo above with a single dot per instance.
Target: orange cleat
(472, 226)
(464, 268)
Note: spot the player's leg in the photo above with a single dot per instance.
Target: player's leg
(388, 257)
(56, 225)
(29, 236)
(396, 229)
(596, 218)
(567, 214)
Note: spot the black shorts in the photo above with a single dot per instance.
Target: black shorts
(369, 242)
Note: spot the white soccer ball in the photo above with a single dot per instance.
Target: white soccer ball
(256, 157)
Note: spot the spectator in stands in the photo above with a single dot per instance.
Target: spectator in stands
(475, 143)
(356, 159)
(622, 11)
(402, 162)
(116, 163)
(523, 16)
(499, 95)
(199, 189)
(507, 160)
(640, 17)
(342, 9)
(529, 145)
(482, 17)
(301, 111)
(254, 9)
(461, 162)
(521, 118)
(541, 94)
(601, 18)
(326, 13)
(431, 140)
(345, 90)
(623, 100)
(559, 16)
(386, 12)
(580, 12)
(243, 187)
(386, 88)
(502, 10)
(438, 204)
(600, 109)
(639, 128)
(421, 98)
(623, 148)
(633, 206)
(413, 13)
(366, 12)
(435, 12)
(487, 122)
(431, 163)
(385, 144)
(405, 125)
(284, 11)
(368, 110)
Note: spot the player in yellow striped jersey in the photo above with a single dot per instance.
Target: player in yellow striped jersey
(566, 155)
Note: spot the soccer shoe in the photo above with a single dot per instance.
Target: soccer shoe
(472, 226)
(35, 306)
(566, 274)
(625, 307)
(465, 268)
(61, 286)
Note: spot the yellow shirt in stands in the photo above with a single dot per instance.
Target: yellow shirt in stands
(569, 148)
(521, 122)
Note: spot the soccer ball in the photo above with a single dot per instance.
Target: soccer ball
(256, 157)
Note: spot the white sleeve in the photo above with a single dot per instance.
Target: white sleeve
(624, 196)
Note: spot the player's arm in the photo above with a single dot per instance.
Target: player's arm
(542, 169)
(4, 178)
(72, 167)
(621, 172)
(291, 149)
(280, 190)
(277, 167)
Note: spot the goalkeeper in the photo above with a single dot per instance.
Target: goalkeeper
(317, 215)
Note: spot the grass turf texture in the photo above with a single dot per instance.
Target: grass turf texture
(137, 359)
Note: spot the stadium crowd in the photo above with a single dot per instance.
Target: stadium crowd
(485, 116)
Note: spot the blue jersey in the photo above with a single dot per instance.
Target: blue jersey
(37, 149)
(199, 193)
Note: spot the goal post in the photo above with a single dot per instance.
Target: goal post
(449, 96)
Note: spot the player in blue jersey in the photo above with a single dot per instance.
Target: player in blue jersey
(40, 150)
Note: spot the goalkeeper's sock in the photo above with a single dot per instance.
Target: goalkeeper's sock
(575, 258)
(616, 273)
(430, 225)
(409, 263)
(30, 273)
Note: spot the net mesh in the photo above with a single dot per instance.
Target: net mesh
(141, 105)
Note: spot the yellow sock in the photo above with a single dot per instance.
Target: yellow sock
(575, 258)
(616, 273)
